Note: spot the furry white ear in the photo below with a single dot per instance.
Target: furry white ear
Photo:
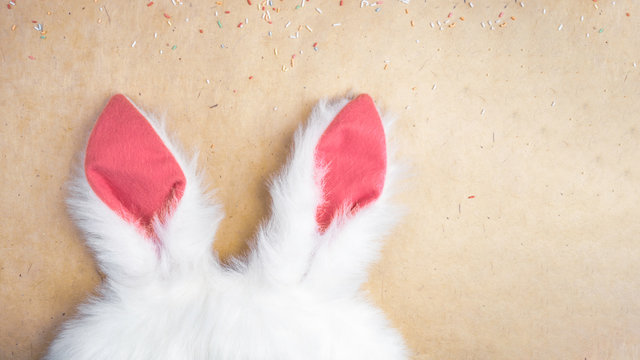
(328, 210)
(138, 200)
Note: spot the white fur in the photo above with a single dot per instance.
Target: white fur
(295, 297)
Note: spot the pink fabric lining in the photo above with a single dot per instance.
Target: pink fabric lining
(129, 167)
(353, 150)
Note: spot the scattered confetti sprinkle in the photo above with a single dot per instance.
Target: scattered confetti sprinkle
(560, 27)
(319, 11)
(167, 16)
(471, 196)
(31, 57)
(601, 30)
(174, 47)
(309, 28)
(133, 44)
(13, 28)
(219, 24)
(150, 3)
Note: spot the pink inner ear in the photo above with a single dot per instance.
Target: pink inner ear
(129, 167)
(353, 150)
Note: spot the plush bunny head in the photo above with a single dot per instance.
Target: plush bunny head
(166, 295)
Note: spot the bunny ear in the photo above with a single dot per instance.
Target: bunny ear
(353, 158)
(327, 211)
(129, 167)
(138, 200)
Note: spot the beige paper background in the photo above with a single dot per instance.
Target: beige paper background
(538, 122)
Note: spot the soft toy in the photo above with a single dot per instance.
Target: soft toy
(141, 205)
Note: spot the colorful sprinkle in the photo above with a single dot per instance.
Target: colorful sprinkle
(150, 3)
(167, 16)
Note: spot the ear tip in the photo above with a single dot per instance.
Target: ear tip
(363, 97)
(364, 100)
(118, 102)
(118, 96)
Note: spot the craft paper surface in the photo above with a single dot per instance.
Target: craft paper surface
(518, 123)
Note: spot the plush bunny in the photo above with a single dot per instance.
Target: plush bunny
(141, 205)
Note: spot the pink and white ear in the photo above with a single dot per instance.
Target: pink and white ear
(138, 200)
(327, 209)
(129, 167)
